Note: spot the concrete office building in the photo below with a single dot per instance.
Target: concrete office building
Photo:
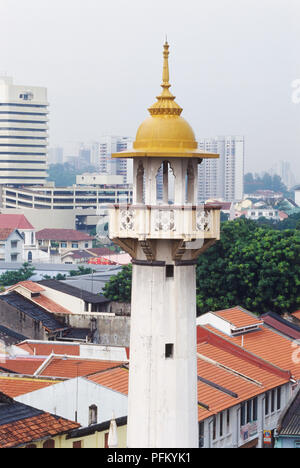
(224, 177)
(23, 133)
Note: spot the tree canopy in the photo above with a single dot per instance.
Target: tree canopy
(64, 175)
(253, 182)
(256, 267)
(12, 277)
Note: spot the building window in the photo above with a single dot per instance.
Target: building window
(278, 398)
(63, 245)
(14, 244)
(214, 434)
(221, 424)
(93, 415)
(201, 434)
(74, 245)
(106, 440)
(77, 444)
(49, 444)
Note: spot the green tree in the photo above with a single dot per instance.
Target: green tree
(256, 267)
(252, 266)
(12, 277)
(118, 287)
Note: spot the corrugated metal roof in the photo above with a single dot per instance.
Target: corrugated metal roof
(32, 310)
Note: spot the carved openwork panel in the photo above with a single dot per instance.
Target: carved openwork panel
(204, 220)
(127, 217)
(164, 220)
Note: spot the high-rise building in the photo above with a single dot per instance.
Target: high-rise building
(101, 156)
(23, 133)
(283, 169)
(56, 155)
(224, 177)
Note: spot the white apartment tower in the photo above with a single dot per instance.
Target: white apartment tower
(222, 178)
(101, 152)
(23, 133)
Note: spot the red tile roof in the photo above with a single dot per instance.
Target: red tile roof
(116, 379)
(5, 233)
(45, 349)
(268, 345)
(16, 386)
(62, 235)
(238, 317)
(20, 365)
(70, 367)
(25, 431)
(30, 285)
(15, 221)
(296, 314)
(50, 305)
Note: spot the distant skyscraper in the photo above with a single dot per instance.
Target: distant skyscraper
(223, 177)
(23, 133)
(283, 169)
(101, 156)
(56, 155)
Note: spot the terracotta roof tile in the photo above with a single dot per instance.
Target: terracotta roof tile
(116, 379)
(15, 221)
(30, 285)
(238, 317)
(50, 305)
(296, 314)
(20, 365)
(268, 345)
(62, 235)
(5, 233)
(16, 386)
(69, 367)
(32, 429)
(45, 349)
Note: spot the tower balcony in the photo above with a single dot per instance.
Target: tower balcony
(175, 222)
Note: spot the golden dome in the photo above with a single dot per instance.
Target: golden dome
(165, 133)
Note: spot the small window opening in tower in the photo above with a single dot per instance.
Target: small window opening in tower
(165, 184)
(140, 183)
(169, 271)
(169, 351)
(190, 184)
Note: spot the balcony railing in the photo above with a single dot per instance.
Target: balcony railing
(165, 222)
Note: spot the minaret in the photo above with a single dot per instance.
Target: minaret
(164, 238)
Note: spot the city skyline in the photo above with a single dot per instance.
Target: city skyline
(233, 63)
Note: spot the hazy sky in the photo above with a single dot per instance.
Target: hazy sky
(232, 63)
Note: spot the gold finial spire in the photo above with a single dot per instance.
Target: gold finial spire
(165, 76)
(165, 104)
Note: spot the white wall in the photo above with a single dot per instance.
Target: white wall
(64, 398)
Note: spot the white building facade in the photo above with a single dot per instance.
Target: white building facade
(23, 133)
(224, 177)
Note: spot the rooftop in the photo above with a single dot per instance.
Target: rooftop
(289, 421)
(69, 366)
(15, 386)
(115, 379)
(45, 348)
(21, 424)
(62, 235)
(73, 291)
(21, 365)
(5, 233)
(15, 221)
(278, 323)
(238, 317)
(26, 306)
